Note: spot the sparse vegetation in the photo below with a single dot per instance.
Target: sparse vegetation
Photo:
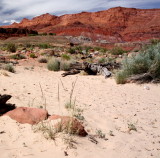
(42, 60)
(44, 45)
(102, 60)
(117, 51)
(66, 57)
(132, 127)
(53, 64)
(32, 55)
(18, 56)
(9, 67)
(11, 47)
(146, 64)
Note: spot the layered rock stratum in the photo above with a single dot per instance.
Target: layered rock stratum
(113, 25)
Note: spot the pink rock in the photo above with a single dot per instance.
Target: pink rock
(27, 115)
(69, 124)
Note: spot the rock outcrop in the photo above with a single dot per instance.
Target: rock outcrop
(114, 25)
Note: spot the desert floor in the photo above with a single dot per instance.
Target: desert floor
(106, 106)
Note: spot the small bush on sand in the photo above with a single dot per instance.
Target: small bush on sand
(44, 46)
(18, 56)
(42, 60)
(65, 65)
(65, 57)
(53, 64)
(32, 55)
(145, 64)
(117, 51)
(102, 60)
(71, 50)
(11, 47)
(9, 67)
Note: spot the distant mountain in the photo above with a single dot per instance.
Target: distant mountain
(114, 25)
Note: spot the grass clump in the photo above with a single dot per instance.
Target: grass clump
(145, 64)
(65, 65)
(102, 60)
(66, 57)
(18, 56)
(53, 64)
(32, 55)
(11, 47)
(44, 45)
(9, 67)
(117, 51)
(42, 60)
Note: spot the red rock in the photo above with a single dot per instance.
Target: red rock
(114, 25)
(27, 115)
(69, 124)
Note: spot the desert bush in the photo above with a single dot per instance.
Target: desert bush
(66, 57)
(71, 50)
(65, 65)
(147, 61)
(11, 47)
(117, 51)
(53, 64)
(44, 45)
(9, 67)
(102, 60)
(42, 60)
(18, 56)
(32, 55)
(155, 41)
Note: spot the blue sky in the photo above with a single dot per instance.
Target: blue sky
(15, 10)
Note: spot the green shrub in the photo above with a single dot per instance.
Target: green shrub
(65, 65)
(53, 64)
(71, 50)
(42, 60)
(102, 60)
(18, 56)
(44, 45)
(11, 47)
(65, 57)
(32, 55)
(9, 67)
(117, 51)
(147, 61)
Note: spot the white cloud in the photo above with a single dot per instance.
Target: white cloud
(19, 9)
(10, 21)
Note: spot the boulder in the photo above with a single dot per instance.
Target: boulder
(68, 124)
(27, 115)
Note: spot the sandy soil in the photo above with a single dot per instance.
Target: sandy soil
(106, 106)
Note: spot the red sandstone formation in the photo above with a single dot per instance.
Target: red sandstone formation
(113, 25)
(27, 115)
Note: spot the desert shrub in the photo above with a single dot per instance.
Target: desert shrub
(65, 57)
(53, 64)
(102, 60)
(52, 34)
(9, 67)
(71, 50)
(32, 55)
(100, 49)
(155, 41)
(117, 51)
(18, 56)
(65, 65)
(42, 60)
(44, 45)
(147, 61)
(11, 47)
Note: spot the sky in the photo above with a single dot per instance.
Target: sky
(15, 10)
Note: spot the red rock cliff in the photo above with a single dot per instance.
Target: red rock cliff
(114, 25)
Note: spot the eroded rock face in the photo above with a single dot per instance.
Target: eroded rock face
(27, 115)
(113, 25)
(68, 124)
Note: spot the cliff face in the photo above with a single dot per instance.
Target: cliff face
(114, 25)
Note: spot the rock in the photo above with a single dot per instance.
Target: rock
(146, 87)
(27, 115)
(68, 124)
(109, 26)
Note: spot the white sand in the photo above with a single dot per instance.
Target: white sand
(106, 107)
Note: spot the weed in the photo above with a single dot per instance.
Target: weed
(65, 65)
(117, 51)
(18, 56)
(11, 47)
(131, 127)
(32, 55)
(100, 134)
(65, 57)
(42, 60)
(9, 67)
(53, 64)
(102, 60)
(44, 46)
